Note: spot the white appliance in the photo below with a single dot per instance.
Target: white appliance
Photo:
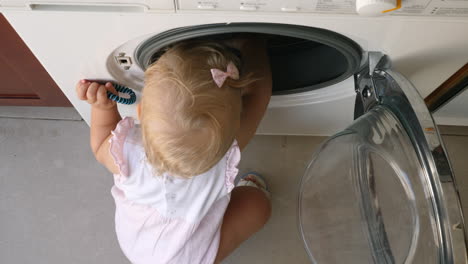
(76, 39)
(425, 39)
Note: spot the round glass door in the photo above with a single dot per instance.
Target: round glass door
(364, 199)
(382, 191)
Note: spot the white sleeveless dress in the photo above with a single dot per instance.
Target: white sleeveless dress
(165, 219)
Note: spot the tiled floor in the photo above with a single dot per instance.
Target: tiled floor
(282, 161)
(457, 147)
(55, 205)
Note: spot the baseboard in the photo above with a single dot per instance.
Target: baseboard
(453, 130)
(36, 112)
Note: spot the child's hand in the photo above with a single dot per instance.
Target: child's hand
(95, 93)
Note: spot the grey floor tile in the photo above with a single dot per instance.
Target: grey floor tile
(55, 202)
(457, 147)
(282, 161)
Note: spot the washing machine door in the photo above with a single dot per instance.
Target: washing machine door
(382, 190)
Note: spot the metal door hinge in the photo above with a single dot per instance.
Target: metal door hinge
(367, 95)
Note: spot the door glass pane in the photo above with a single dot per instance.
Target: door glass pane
(366, 199)
(330, 213)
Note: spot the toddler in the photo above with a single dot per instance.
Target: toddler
(175, 196)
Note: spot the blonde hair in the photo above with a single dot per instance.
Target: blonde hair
(186, 118)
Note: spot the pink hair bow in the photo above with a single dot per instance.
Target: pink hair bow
(219, 77)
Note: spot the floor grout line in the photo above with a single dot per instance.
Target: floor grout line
(35, 118)
(454, 135)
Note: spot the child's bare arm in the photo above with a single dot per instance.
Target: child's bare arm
(256, 97)
(104, 118)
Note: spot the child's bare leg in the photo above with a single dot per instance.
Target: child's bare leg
(247, 212)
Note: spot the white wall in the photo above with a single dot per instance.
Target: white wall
(455, 112)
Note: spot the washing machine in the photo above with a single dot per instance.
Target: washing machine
(384, 165)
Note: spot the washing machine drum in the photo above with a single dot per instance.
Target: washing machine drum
(382, 191)
(294, 51)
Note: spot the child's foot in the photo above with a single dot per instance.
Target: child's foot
(253, 179)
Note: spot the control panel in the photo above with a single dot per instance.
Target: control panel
(337, 6)
(451, 8)
(390, 7)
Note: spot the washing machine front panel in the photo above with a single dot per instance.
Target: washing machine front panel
(382, 190)
(73, 45)
(312, 71)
